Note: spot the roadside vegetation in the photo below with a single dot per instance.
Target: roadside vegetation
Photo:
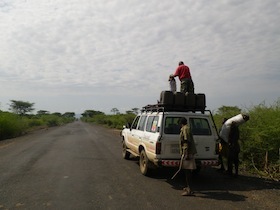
(20, 121)
(116, 120)
(259, 137)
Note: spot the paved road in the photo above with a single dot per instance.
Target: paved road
(79, 166)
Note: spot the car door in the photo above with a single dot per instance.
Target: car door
(137, 132)
(204, 137)
(151, 135)
(131, 135)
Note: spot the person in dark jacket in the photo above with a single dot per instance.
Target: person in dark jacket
(223, 149)
(233, 149)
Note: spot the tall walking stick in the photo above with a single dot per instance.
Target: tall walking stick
(180, 167)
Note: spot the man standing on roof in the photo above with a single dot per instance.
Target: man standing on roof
(183, 72)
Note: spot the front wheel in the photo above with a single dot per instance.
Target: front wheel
(144, 163)
(125, 153)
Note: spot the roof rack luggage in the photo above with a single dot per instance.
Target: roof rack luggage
(178, 101)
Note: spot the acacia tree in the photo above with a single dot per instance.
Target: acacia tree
(42, 112)
(115, 111)
(21, 107)
(69, 114)
(129, 112)
(91, 113)
(135, 110)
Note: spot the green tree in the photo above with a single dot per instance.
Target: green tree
(69, 114)
(57, 114)
(135, 110)
(115, 111)
(42, 112)
(91, 113)
(21, 107)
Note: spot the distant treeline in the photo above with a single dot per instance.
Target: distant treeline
(20, 121)
(13, 125)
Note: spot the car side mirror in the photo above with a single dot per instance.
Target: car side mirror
(128, 125)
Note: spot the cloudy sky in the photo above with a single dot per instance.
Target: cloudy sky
(74, 55)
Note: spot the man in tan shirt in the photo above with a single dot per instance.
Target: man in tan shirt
(187, 150)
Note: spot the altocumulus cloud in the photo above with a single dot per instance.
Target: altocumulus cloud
(93, 54)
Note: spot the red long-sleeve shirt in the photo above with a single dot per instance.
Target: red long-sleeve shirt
(183, 72)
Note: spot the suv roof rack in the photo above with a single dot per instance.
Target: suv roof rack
(164, 108)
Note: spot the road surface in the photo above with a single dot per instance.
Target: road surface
(80, 166)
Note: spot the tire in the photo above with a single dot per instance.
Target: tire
(144, 163)
(125, 153)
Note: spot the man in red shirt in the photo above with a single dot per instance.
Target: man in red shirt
(183, 72)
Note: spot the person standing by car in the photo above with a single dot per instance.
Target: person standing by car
(187, 151)
(183, 72)
(223, 150)
(233, 149)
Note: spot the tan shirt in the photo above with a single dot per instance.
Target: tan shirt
(186, 141)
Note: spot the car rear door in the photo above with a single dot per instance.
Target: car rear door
(204, 137)
(170, 137)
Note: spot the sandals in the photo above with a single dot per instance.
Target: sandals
(187, 192)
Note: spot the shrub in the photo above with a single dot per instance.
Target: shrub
(51, 120)
(112, 121)
(259, 138)
(11, 125)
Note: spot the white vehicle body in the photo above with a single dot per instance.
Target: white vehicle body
(154, 137)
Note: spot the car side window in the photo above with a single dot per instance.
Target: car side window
(152, 124)
(172, 125)
(142, 123)
(135, 122)
(200, 126)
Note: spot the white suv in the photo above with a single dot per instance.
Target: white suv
(154, 137)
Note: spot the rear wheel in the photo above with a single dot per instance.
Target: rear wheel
(144, 163)
(125, 153)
